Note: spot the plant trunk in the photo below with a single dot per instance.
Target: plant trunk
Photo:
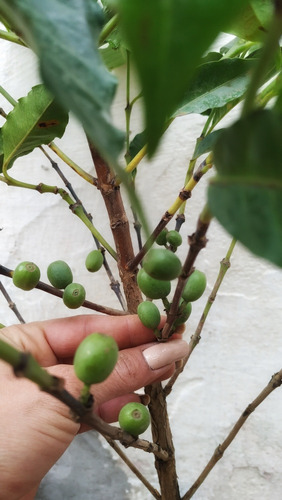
(120, 229)
(161, 433)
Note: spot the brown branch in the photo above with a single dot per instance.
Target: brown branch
(196, 337)
(59, 293)
(120, 228)
(276, 381)
(134, 469)
(197, 242)
(161, 433)
(132, 264)
(12, 305)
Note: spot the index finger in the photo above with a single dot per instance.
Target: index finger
(65, 334)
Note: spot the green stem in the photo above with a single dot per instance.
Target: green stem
(76, 208)
(7, 96)
(25, 365)
(11, 37)
(85, 395)
(108, 28)
(268, 51)
(87, 177)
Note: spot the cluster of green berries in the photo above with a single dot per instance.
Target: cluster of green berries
(27, 275)
(160, 267)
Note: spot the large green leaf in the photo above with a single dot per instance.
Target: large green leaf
(167, 39)
(246, 195)
(65, 36)
(35, 120)
(253, 23)
(216, 84)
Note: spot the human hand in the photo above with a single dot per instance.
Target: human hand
(35, 428)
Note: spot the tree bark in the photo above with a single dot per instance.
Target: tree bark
(161, 434)
(120, 229)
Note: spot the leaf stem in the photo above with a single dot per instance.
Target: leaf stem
(7, 96)
(11, 37)
(270, 47)
(87, 177)
(108, 28)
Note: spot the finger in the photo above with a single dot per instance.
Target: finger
(57, 339)
(140, 366)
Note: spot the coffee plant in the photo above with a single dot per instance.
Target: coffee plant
(174, 65)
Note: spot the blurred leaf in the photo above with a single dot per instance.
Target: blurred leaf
(35, 120)
(216, 84)
(253, 23)
(137, 143)
(65, 37)
(167, 40)
(246, 195)
(263, 9)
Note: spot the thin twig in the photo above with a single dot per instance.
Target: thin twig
(197, 242)
(114, 284)
(195, 339)
(12, 305)
(134, 469)
(276, 381)
(183, 196)
(59, 293)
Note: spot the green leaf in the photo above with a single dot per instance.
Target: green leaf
(65, 36)
(253, 23)
(167, 40)
(206, 144)
(216, 84)
(35, 120)
(263, 9)
(246, 195)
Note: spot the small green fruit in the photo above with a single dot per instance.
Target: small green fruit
(134, 418)
(174, 238)
(162, 264)
(59, 274)
(154, 289)
(26, 275)
(94, 261)
(195, 286)
(161, 238)
(74, 295)
(149, 314)
(95, 358)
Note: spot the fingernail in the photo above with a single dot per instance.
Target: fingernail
(164, 353)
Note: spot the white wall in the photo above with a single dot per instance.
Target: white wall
(241, 342)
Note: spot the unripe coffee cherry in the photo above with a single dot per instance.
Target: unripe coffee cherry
(134, 418)
(95, 358)
(59, 274)
(162, 264)
(26, 275)
(74, 295)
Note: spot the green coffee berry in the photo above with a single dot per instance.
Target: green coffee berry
(26, 275)
(74, 295)
(59, 274)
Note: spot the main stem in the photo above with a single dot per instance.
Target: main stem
(120, 228)
(161, 434)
